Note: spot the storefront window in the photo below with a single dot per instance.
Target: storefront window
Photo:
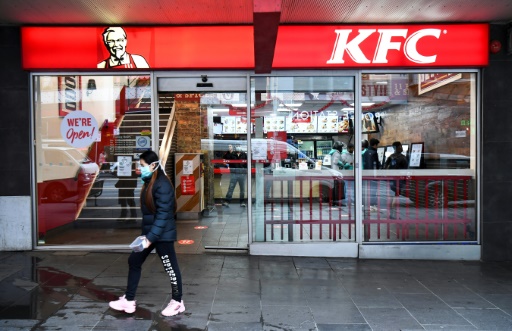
(301, 150)
(89, 131)
(419, 171)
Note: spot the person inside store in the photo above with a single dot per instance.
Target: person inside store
(158, 206)
(347, 160)
(336, 164)
(371, 162)
(396, 161)
(115, 41)
(347, 157)
(370, 157)
(126, 195)
(364, 146)
(238, 173)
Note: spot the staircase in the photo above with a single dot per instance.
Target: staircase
(104, 204)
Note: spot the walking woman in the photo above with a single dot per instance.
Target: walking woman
(158, 206)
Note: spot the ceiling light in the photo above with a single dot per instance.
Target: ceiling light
(364, 104)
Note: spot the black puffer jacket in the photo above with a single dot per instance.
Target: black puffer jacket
(161, 225)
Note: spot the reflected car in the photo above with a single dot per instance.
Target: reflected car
(65, 172)
(323, 177)
(445, 189)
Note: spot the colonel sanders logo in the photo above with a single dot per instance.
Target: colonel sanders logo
(115, 41)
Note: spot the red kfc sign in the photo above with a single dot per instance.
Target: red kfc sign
(297, 46)
(382, 46)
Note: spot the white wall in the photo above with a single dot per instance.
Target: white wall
(15, 223)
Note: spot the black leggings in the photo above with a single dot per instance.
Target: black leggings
(167, 254)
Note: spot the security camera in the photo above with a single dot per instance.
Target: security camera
(204, 78)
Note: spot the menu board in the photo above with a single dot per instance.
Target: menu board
(343, 124)
(307, 125)
(334, 122)
(232, 124)
(274, 123)
(241, 125)
(229, 123)
(328, 124)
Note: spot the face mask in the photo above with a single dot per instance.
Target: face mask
(145, 172)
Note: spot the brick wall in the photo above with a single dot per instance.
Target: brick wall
(432, 118)
(188, 116)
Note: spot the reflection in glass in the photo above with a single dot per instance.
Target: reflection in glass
(304, 192)
(432, 198)
(81, 190)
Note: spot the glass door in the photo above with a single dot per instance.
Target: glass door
(203, 129)
(303, 196)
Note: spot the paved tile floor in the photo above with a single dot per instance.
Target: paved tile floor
(233, 291)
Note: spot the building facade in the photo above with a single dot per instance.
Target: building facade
(451, 199)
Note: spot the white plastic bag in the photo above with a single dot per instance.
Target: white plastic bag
(138, 244)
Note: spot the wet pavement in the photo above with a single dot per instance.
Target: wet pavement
(44, 290)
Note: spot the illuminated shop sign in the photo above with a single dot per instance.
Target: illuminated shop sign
(226, 47)
(334, 46)
(132, 48)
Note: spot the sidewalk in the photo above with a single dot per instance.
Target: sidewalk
(223, 292)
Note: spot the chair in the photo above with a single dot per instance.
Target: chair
(96, 190)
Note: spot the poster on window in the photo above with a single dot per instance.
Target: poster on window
(79, 129)
(124, 166)
(259, 149)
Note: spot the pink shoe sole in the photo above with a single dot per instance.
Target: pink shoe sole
(126, 310)
(181, 309)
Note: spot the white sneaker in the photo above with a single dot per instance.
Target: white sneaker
(174, 308)
(123, 305)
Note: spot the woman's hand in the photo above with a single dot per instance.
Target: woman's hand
(146, 243)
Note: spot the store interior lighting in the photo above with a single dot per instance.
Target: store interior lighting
(364, 104)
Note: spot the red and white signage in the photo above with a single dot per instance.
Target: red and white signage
(225, 47)
(79, 129)
(188, 185)
(340, 46)
(193, 47)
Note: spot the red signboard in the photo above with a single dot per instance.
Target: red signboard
(226, 47)
(351, 46)
(137, 47)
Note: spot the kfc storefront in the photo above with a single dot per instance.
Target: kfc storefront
(186, 93)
